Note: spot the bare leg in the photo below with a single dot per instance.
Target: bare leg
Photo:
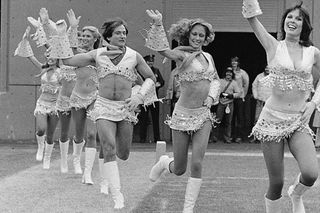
(273, 156)
(65, 118)
(124, 139)
(199, 146)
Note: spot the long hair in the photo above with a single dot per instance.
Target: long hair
(306, 25)
(180, 31)
(109, 26)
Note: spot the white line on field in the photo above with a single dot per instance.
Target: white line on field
(244, 154)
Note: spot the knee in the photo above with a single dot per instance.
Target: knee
(108, 149)
(196, 168)
(40, 131)
(180, 169)
(123, 155)
(309, 179)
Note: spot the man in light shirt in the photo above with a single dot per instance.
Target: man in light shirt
(242, 78)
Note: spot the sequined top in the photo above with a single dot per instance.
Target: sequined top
(50, 83)
(67, 73)
(284, 76)
(125, 68)
(195, 71)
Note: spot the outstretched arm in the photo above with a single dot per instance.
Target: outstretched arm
(81, 59)
(251, 12)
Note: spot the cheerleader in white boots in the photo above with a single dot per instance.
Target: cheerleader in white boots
(45, 111)
(113, 110)
(199, 83)
(287, 112)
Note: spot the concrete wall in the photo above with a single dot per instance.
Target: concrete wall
(19, 88)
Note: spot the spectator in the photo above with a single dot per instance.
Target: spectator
(154, 109)
(242, 78)
(229, 90)
(260, 94)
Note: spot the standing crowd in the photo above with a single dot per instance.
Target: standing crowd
(105, 86)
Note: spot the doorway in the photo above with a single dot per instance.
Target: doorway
(252, 59)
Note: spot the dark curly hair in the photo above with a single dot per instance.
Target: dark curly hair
(306, 25)
(109, 26)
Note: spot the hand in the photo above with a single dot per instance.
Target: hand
(73, 21)
(35, 23)
(133, 102)
(307, 112)
(208, 102)
(156, 16)
(44, 16)
(61, 27)
(158, 84)
(26, 34)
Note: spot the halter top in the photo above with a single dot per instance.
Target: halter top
(284, 76)
(50, 84)
(195, 71)
(125, 68)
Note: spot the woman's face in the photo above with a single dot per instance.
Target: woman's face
(197, 36)
(119, 36)
(293, 23)
(87, 39)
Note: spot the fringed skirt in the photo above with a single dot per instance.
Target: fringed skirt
(111, 110)
(63, 104)
(189, 120)
(45, 107)
(274, 125)
(78, 102)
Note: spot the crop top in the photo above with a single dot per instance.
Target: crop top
(50, 84)
(195, 71)
(125, 68)
(284, 76)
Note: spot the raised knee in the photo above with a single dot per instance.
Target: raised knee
(123, 155)
(179, 171)
(309, 179)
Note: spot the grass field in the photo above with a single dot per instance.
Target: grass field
(234, 181)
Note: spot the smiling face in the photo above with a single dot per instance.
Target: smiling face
(197, 36)
(87, 39)
(293, 23)
(119, 36)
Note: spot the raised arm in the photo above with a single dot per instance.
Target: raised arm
(157, 39)
(250, 11)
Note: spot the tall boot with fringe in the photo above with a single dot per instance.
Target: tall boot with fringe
(192, 192)
(273, 206)
(103, 180)
(40, 141)
(90, 154)
(111, 172)
(47, 155)
(64, 147)
(77, 150)
(295, 192)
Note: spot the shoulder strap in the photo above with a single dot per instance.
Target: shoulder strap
(226, 87)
